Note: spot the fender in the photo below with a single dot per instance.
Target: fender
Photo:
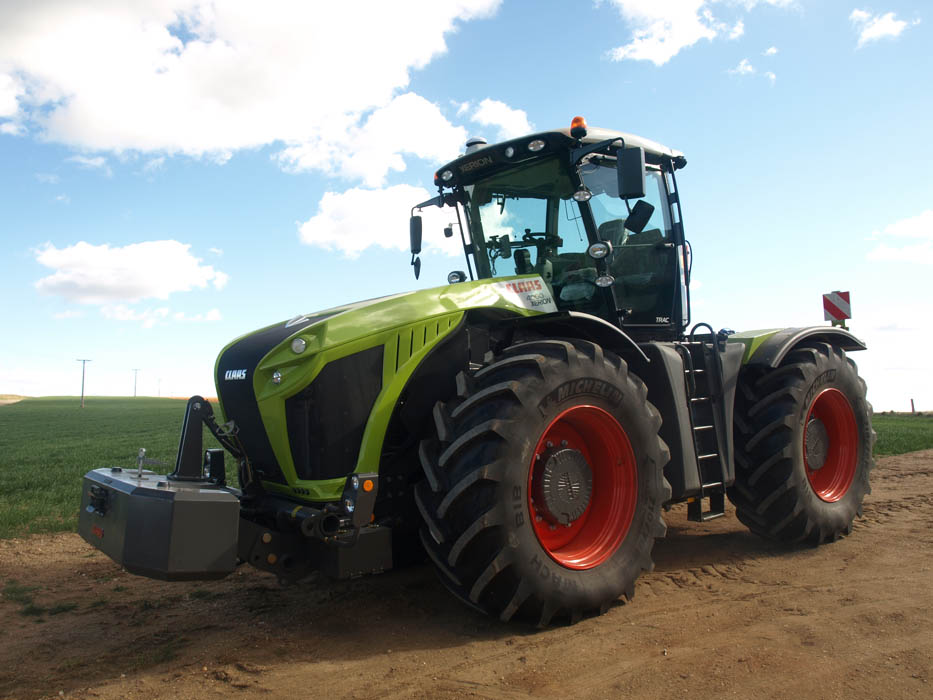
(768, 348)
(574, 324)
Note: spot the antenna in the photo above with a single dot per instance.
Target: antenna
(135, 372)
(83, 364)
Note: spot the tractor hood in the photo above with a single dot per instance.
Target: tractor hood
(370, 345)
(273, 347)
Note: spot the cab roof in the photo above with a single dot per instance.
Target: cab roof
(484, 157)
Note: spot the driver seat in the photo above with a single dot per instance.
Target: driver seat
(612, 231)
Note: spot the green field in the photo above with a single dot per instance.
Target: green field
(902, 432)
(48, 444)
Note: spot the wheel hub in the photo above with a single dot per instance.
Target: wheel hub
(564, 486)
(816, 444)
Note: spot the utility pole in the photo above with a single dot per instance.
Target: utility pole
(135, 371)
(83, 364)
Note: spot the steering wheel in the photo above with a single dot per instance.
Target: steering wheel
(539, 237)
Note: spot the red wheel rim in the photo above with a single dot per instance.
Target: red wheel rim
(832, 480)
(593, 537)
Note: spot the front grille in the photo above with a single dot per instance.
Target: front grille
(326, 420)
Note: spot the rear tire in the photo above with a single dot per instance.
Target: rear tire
(803, 446)
(544, 486)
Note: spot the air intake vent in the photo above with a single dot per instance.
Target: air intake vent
(326, 420)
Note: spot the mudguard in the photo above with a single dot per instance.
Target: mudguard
(767, 348)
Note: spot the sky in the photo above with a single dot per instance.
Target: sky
(176, 173)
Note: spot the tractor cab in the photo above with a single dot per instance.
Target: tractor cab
(592, 212)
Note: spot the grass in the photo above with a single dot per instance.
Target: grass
(18, 593)
(902, 432)
(48, 444)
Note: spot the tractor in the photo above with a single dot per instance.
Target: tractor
(525, 426)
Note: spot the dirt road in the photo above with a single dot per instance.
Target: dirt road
(724, 614)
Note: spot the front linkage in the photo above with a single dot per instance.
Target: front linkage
(191, 525)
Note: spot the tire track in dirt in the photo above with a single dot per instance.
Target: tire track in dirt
(723, 611)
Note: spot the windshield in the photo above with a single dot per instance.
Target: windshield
(525, 221)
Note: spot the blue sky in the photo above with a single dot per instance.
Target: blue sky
(175, 173)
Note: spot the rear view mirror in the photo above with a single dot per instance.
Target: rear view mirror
(641, 214)
(630, 167)
(414, 232)
(505, 246)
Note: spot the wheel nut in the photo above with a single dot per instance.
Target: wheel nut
(563, 443)
(549, 444)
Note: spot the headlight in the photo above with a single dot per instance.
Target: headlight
(599, 250)
(509, 151)
(276, 377)
(536, 145)
(447, 175)
(605, 280)
(299, 345)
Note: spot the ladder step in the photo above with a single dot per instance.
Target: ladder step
(694, 371)
(704, 427)
(712, 485)
(717, 508)
(709, 456)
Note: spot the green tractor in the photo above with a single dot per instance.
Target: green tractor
(525, 425)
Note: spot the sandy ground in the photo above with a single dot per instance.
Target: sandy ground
(724, 614)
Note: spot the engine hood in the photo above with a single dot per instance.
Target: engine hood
(257, 372)
(320, 330)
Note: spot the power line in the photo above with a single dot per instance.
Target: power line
(83, 364)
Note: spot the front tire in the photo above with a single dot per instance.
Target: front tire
(803, 447)
(544, 487)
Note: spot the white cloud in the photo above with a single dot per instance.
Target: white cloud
(154, 164)
(101, 274)
(148, 317)
(408, 124)
(92, 163)
(47, 178)
(744, 68)
(344, 221)
(10, 90)
(770, 51)
(875, 27)
(63, 198)
(207, 79)
(661, 29)
(511, 123)
(216, 251)
(771, 77)
(916, 228)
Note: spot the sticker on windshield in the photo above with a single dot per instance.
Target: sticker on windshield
(528, 293)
